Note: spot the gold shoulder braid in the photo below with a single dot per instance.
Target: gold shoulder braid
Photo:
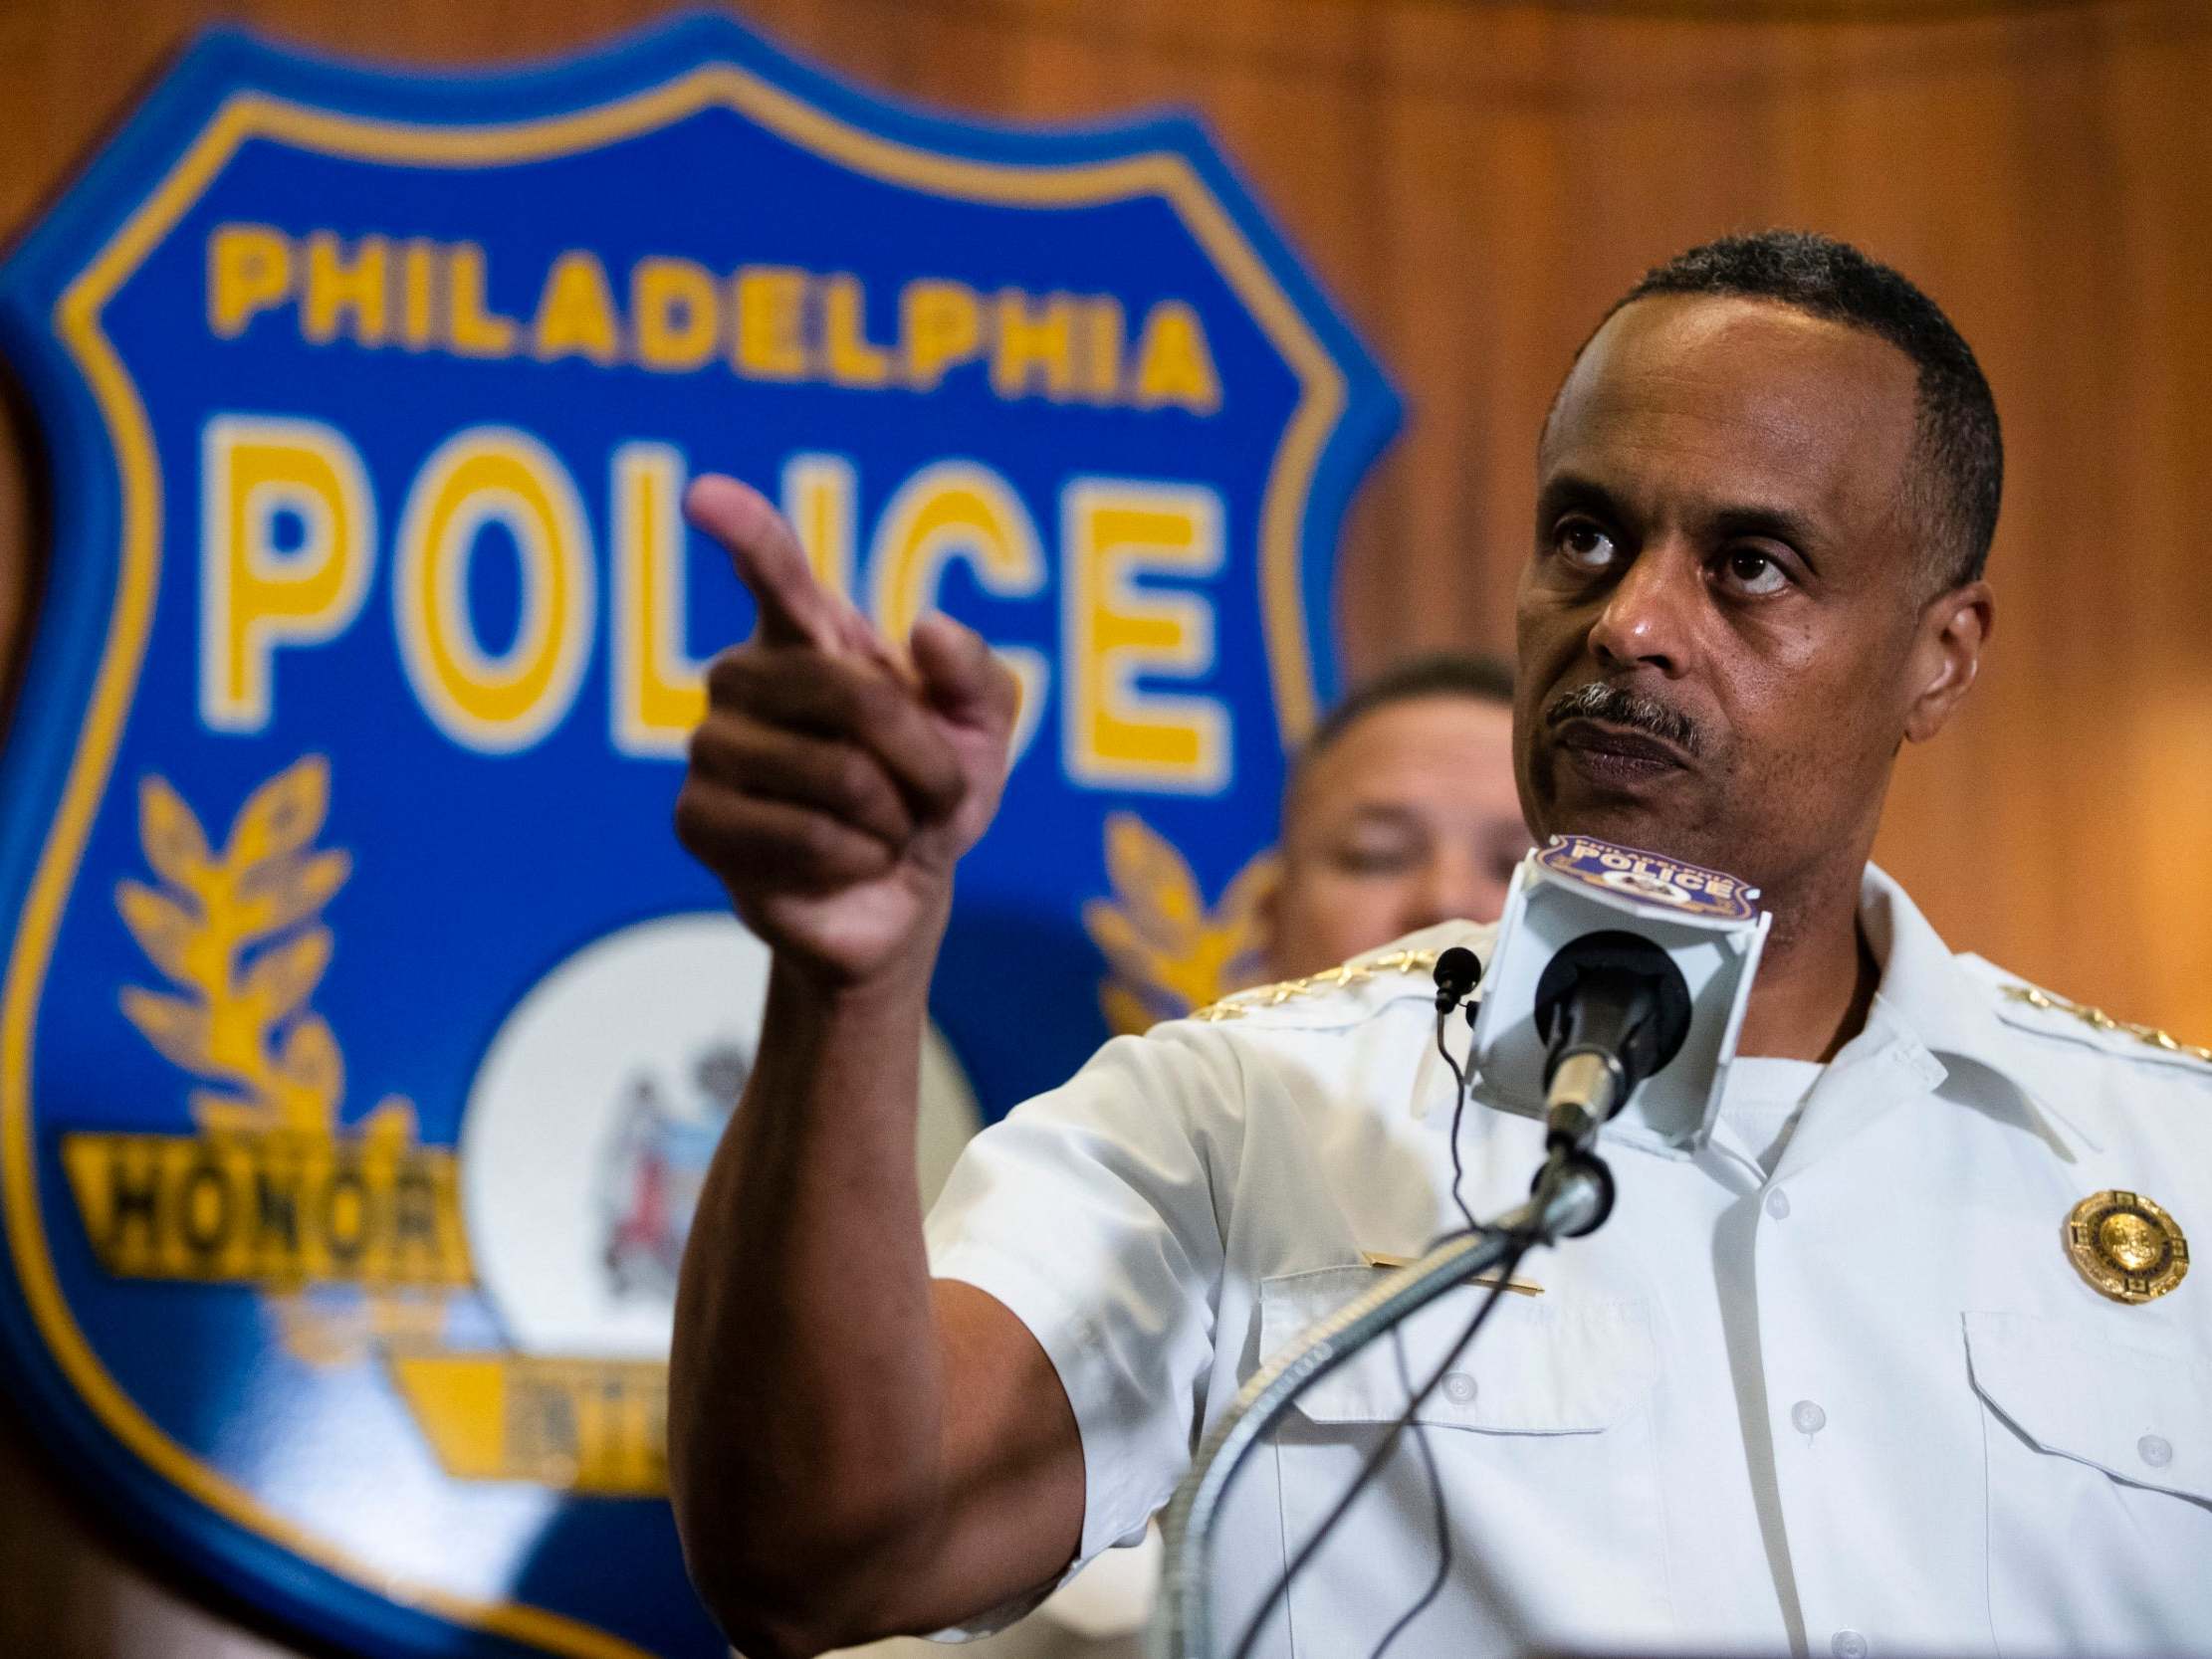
(2099, 1020)
(1360, 968)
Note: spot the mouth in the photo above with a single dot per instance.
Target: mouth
(1615, 755)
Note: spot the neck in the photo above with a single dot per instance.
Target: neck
(1816, 980)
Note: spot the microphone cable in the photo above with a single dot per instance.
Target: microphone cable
(1451, 991)
(1381, 1455)
(1436, 1505)
(1458, 1111)
(1459, 971)
(1404, 1377)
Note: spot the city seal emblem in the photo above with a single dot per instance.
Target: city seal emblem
(2126, 1246)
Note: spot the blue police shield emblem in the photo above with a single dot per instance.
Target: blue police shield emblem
(365, 1034)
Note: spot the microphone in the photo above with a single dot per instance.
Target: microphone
(1458, 970)
(1614, 994)
(1612, 1008)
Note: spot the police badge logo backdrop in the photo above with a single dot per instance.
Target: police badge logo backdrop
(364, 1032)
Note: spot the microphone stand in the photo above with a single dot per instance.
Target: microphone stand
(1573, 1195)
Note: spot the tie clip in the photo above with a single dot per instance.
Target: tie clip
(1519, 1287)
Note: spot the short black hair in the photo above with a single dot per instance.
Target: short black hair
(1959, 451)
(1476, 675)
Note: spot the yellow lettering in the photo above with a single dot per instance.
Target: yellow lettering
(1102, 340)
(593, 1426)
(575, 311)
(249, 270)
(672, 311)
(819, 495)
(418, 264)
(278, 1208)
(941, 324)
(471, 329)
(1032, 349)
(257, 473)
(960, 509)
(1173, 363)
(1117, 735)
(659, 692)
(770, 322)
(480, 477)
(769, 341)
(851, 358)
(338, 287)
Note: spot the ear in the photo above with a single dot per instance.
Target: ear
(1946, 654)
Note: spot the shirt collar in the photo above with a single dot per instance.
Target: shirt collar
(1932, 1014)
(1927, 1009)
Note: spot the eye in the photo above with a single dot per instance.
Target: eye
(1584, 545)
(1373, 858)
(1748, 570)
(1376, 847)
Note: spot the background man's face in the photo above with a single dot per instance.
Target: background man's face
(1725, 571)
(1409, 818)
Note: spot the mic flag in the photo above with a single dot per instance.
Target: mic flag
(1706, 923)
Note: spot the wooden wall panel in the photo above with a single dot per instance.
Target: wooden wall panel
(1476, 182)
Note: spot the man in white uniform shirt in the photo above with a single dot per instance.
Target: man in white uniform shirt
(1903, 1362)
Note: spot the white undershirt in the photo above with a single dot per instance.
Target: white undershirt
(1762, 1101)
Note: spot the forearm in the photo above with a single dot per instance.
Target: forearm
(833, 785)
(805, 1391)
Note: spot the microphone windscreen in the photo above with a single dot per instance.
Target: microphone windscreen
(1459, 971)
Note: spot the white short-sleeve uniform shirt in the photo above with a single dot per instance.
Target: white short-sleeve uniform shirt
(1863, 1406)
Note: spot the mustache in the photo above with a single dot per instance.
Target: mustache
(1618, 707)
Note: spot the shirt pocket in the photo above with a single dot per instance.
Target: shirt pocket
(2100, 1474)
(1543, 1438)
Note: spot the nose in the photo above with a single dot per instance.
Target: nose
(1452, 888)
(1645, 618)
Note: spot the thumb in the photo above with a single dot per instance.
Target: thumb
(962, 676)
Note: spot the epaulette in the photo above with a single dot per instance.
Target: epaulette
(1344, 974)
(2098, 1020)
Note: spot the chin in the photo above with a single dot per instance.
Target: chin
(1641, 826)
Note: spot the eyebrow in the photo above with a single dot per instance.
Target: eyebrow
(1572, 489)
(1776, 524)
(1393, 813)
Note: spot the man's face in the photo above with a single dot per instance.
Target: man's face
(1721, 633)
(1409, 818)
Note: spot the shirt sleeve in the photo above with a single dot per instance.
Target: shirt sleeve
(1093, 1212)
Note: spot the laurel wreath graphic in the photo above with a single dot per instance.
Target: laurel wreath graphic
(1170, 953)
(237, 933)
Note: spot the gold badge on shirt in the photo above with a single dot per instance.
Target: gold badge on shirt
(2126, 1246)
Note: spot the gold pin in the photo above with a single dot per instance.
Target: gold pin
(2126, 1246)
(2098, 1020)
(1519, 1287)
(1354, 972)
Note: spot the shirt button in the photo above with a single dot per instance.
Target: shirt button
(1778, 1204)
(1459, 1387)
(2156, 1450)
(1808, 1418)
(1848, 1644)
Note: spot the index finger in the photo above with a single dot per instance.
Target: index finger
(793, 609)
